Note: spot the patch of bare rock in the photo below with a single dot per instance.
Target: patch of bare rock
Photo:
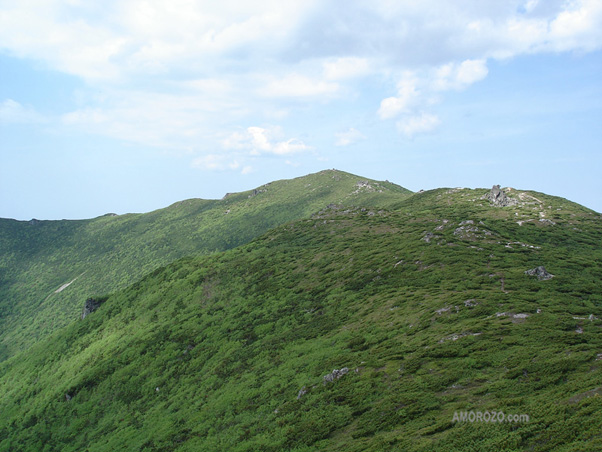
(540, 272)
(497, 197)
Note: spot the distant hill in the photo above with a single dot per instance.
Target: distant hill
(356, 328)
(49, 268)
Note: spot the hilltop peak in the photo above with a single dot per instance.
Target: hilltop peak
(345, 187)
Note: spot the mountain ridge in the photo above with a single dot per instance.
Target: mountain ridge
(356, 328)
(38, 257)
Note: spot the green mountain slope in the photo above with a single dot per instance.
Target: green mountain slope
(48, 268)
(424, 309)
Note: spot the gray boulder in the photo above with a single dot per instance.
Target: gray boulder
(498, 198)
(540, 272)
(335, 375)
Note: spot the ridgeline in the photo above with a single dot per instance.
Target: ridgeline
(374, 320)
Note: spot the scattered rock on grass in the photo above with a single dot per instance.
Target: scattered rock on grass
(455, 337)
(335, 375)
(428, 236)
(540, 272)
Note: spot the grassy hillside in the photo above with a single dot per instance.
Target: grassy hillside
(48, 268)
(426, 306)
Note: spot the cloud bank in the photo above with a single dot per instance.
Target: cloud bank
(181, 73)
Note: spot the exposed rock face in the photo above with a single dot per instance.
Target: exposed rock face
(90, 306)
(335, 375)
(540, 272)
(498, 198)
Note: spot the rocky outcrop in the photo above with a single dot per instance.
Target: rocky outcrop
(540, 272)
(90, 306)
(498, 198)
(259, 190)
(335, 375)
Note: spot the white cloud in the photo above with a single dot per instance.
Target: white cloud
(530, 5)
(176, 73)
(216, 162)
(454, 76)
(578, 27)
(423, 123)
(291, 146)
(181, 119)
(418, 90)
(114, 40)
(408, 97)
(209, 85)
(298, 86)
(259, 141)
(346, 68)
(86, 117)
(120, 39)
(12, 112)
(348, 137)
(241, 148)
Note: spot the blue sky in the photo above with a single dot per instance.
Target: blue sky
(131, 105)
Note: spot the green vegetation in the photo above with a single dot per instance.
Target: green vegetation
(38, 259)
(426, 303)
